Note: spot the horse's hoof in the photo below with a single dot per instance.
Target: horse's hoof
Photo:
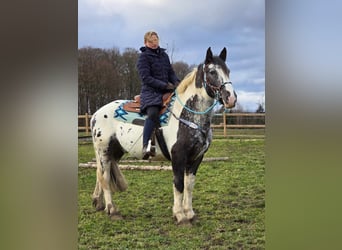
(98, 205)
(116, 216)
(184, 222)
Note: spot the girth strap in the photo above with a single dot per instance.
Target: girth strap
(162, 143)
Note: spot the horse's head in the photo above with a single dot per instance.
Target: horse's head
(214, 77)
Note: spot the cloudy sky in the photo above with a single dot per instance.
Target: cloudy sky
(186, 28)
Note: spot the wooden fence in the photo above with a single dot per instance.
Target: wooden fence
(224, 124)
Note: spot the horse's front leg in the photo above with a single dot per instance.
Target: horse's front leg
(178, 189)
(189, 183)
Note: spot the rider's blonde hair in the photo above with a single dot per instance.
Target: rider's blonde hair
(148, 35)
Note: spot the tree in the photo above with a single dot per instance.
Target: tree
(97, 71)
(261, 106)
(181, 69)
(86, 78)
(130, 74)
(105, 75)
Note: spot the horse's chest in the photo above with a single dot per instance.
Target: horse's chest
(201, 142)
(194, 142)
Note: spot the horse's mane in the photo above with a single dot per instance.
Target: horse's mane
(188, 79)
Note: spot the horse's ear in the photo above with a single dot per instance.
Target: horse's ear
(223, 54)
(209, 56)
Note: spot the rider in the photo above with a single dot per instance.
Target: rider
(158, 77)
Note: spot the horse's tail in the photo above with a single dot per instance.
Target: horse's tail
(117, 179)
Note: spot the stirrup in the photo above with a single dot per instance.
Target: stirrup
(145, 153)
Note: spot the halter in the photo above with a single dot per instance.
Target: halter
(213, 88)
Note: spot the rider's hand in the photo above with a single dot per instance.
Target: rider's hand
(170, 86)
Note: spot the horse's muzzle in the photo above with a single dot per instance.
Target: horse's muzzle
(231, 100)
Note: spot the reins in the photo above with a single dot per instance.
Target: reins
(215, 89)
(194, 111)
(205, 84)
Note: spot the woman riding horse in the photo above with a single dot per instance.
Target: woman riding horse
(186, 132)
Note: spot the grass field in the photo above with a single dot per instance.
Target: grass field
(229, 199)
(231, 133)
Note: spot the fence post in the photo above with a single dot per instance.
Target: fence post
(224, 124)
(86, 124)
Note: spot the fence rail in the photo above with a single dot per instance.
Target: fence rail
(238, 124)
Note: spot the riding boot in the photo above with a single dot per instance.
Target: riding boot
(145, 153)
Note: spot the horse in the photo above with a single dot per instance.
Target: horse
(184, 129)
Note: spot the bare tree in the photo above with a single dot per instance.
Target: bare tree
(105, 75)
(131, 79)
(181, 69)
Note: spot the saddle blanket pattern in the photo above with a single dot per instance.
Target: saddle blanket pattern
(137, 118)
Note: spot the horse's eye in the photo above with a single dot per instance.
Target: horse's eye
(213, 72)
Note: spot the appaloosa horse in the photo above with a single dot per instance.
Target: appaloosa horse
(184, 133)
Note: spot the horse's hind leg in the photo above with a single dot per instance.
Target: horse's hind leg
(104, 187)
(98, 192)
(98, 196)
(109, 177)
(102, 196)
(107, 192)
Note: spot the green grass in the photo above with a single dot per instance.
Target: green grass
(229, 199)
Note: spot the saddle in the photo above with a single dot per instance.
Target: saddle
(134, 105)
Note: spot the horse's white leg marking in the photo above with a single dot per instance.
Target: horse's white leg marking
(98, 192)
(189, 183)
(103, 179)
(178, 205)
(105, 183)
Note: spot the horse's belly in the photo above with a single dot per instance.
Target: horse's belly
(130, 138)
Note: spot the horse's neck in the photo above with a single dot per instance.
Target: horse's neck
(199, 99)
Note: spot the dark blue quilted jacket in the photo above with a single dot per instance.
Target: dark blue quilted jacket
(155, 72)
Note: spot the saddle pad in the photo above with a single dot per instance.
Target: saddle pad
(134, 105)
(126, 115)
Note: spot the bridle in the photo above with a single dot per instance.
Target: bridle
(213, 91)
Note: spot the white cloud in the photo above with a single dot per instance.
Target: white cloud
(250, 100)
(187, 28)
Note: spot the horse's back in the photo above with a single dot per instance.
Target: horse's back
(111, 124)
(108, 125)
(103, 122)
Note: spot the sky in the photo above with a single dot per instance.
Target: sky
(186, 28)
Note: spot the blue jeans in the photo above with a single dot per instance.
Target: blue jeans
(151, 122)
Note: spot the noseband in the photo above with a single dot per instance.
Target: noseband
(213, 90)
